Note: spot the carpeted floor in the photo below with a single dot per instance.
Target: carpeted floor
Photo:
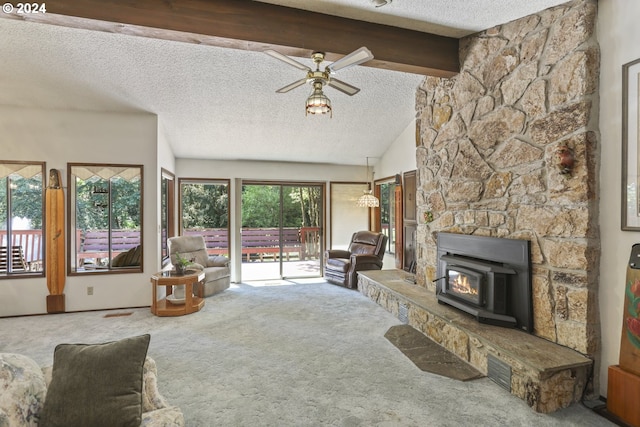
(306, 354)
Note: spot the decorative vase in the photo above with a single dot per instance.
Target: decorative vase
(180, 270)
(179, 291)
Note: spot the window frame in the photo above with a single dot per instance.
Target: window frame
(72, 269)
(28, 273)
(392, 234)
(169, 215)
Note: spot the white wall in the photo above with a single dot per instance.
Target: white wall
(62, 136)
(400, 157)
(618, 35)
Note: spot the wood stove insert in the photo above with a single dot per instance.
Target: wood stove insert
(487, 277)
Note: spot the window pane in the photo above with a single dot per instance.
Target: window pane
(167, 211)
(21, 203)
(106, 212)
(204, 210)
(387, 214)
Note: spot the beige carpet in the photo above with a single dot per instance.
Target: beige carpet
(294, 354)
(428, 355)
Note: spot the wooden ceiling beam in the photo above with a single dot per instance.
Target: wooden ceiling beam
(256, 26)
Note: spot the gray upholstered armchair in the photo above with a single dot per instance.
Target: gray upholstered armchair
(365, 252)
(217, 274)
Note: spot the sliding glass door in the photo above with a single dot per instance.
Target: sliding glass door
(281, 230)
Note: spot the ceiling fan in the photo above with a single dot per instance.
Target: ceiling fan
(318, 103)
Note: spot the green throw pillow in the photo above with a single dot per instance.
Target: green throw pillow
(96, 384)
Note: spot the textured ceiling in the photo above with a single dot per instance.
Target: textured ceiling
(221, 103)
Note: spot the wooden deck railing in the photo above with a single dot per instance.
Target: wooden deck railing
(94, 244)
(257, 243)
(260, 243)
(31, 243)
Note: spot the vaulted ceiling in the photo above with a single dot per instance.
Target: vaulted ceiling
(199, 66)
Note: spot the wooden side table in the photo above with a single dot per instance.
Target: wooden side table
(169, 279)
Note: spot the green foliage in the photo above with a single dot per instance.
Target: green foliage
(204, 206)
(261, 206)
(26, 199)
(387, 197)
(182, 261)
(122, 197)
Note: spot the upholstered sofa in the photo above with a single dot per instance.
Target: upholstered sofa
(217, 274)
(23, 390)
(365, 252)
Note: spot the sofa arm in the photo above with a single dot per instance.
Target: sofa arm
(337, 253)
(170, 416)
(218, 261)
(151, 397)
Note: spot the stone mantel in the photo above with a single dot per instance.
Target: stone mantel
(546, 375)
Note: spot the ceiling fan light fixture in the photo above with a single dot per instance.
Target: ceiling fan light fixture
(380, 3)
(318, 103)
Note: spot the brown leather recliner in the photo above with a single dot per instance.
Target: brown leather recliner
(365, 253)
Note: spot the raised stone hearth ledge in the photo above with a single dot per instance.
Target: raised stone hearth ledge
(546, 375)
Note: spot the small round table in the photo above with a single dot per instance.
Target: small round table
(169, 279)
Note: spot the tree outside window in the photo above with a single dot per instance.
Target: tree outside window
(204, 210)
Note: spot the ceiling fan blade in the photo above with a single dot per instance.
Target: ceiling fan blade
(354, 58)
(293, 85)
(343, 87)
(286, 59)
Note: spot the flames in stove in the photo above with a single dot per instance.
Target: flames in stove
(461, 284)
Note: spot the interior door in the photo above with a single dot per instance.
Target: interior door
(281, 231)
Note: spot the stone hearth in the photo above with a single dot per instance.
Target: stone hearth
(546, 375)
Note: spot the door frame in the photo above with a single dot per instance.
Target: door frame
(282, 184)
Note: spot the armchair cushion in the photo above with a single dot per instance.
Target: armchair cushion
(130, 258)
(96, 385)
(218, 261)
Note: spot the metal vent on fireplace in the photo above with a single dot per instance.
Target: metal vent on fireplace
(403, 313)
(499, 372)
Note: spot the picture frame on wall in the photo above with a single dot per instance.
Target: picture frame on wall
(630, 146)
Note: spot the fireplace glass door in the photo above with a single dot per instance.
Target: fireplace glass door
(465, 284)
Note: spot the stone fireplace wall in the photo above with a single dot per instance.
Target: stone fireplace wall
(494, 158)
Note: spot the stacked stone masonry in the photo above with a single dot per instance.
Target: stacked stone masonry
(509, 148)
(545, 375)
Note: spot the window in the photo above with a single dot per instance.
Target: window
(204, 210)
(388, 213)
(105, 213)
(167, 209)
(21, 218)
